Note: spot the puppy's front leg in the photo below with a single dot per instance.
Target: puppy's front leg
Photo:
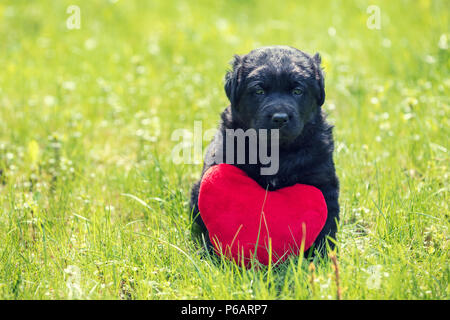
(199, 229)
(330, 193)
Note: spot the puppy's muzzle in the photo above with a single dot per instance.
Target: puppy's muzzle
(279, 120)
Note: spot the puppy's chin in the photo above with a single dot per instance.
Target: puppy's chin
(284, 139)
(290, 134)
(286, 142)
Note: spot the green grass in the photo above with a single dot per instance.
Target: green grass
(86, 118)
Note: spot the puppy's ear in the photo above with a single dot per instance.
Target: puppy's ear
(317, 59)
(233, 80)
(320, 79)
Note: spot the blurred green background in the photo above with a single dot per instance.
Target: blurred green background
(92, 206)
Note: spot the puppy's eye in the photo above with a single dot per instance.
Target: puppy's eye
(259, 91)
(297, 91)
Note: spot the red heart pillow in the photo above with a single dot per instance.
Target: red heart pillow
(239, 213)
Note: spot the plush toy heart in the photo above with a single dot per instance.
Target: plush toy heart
(239, 214)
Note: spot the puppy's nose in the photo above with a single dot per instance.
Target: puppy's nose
(279, 119)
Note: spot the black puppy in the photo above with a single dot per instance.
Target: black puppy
(282, 88)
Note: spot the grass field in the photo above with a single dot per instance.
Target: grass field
(92, 205)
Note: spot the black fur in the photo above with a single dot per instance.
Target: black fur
(306, 141)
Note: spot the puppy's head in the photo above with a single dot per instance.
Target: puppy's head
(275, 87)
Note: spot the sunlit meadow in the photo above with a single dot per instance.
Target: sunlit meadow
(92, 205)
